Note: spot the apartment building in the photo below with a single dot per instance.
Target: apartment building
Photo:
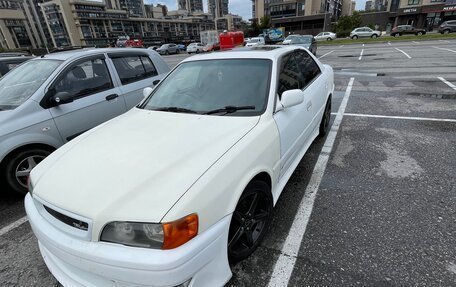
(348, 7)
(299, 16)
(99, 23)
(425, 13)
(218, 8)
(15, 29)
(190, 5)
(368, 6)
(229, 22)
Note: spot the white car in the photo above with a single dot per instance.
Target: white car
(195, 48)
(170, 192)
(288, 39)
(255, 41)
(326, 36)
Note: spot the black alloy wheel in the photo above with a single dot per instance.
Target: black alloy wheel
(324, 124)
(18, 167)
(249, 221)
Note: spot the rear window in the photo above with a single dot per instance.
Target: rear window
(134, 68)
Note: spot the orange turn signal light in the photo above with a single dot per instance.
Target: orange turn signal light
(180, 231)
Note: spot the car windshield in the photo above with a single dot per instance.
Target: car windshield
(20, 84)
(301, 40)
(290, 37)
(238, 85)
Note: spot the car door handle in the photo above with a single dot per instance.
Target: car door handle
(112, 97)
(309, 106)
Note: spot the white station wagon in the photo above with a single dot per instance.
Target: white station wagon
(171, 192)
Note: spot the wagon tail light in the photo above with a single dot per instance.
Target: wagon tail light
(167, 235)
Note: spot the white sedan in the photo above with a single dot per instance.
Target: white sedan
(171, 192)
(326, 36)
(195, 48)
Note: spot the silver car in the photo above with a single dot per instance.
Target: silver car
(364, 32)
(52, 99)
(167, 49)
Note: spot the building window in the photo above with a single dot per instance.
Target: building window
(413, 2)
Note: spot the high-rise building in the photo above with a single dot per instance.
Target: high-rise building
(15, 29)
(190, 5)
(217, 8)
(135, 8)
(348, 6)
(368, 5)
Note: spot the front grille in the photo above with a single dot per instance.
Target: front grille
(68, 220)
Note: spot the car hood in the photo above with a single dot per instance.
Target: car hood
(136, 166)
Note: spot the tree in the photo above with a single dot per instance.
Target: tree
(356, 19)
(265, 22)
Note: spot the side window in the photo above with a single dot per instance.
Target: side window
(85, 78)
(134, 68)
(289, 75)
(308, 68)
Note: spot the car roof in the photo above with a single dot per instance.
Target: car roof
(272, 52)
(71, 54)
(24, 58)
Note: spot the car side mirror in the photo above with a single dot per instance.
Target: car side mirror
(147, 91)
(61, 98)
(156, 82)
(291, 98)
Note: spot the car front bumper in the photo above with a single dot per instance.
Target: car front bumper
(76, 262)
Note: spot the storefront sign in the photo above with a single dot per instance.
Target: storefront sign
(410, 10)
(449, 8)
(414, 10)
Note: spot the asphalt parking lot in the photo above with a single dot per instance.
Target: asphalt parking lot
(374, 207)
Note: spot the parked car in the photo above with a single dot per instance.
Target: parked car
(255, 41)
(181, 47)
(364, 32)
(447, 27)
(13, 54)
(195, 48)
(167, 49)
(153, 48)
(326, 36)
(8, 63)
(49, 100)
(306, 41)
(211, 47)
(406, 30)
(107, 208)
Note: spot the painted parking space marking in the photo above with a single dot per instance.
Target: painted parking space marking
(361, 55)
(444, 49)
(407, 55)
(449, 84)
(416, 42)
(13, 225)
(389, 43)
(445, 41)
(400, 117)
(326, 54)
(283, 268)
(341, 46)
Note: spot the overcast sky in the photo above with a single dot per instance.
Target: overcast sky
(238, 7)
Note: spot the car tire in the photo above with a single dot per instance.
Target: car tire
(355, 37)
(250, 221)
(324, 124)
(374, 36)
(329, 39)
(197, 51)
(167, 52)
(397, 35)
(446, 31)
(18, 167)
(419, 33)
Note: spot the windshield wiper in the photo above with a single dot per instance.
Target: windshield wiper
(175, 110)
(230, 109)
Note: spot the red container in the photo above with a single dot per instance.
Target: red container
(229, 40)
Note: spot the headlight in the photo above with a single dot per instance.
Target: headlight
(152, 235)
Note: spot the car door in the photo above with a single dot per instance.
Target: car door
(408, 30)
(94, 97)
(135, 71)
(367, 32)
(293, 123)
(319, 36)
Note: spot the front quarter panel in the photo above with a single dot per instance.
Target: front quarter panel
(217, 192)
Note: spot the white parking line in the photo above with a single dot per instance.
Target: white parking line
(389, 43)
(13, 225)
(361, 55)
(444, 49)
(448, 83)
(415, 42)
(341, 46)
(325, 54)
(287, 259)
(407, 55)
(401, 118)
(445, 41)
